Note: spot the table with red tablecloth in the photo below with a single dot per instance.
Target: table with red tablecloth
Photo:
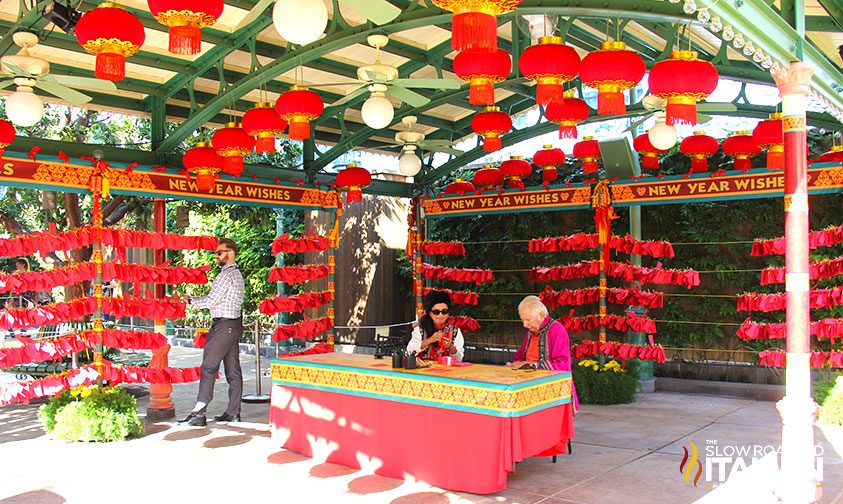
(459, 428)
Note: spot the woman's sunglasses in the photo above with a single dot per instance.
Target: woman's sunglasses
(439, 312)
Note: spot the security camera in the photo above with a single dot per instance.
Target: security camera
(63, 16)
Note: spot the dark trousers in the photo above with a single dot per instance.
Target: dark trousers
(222, 345)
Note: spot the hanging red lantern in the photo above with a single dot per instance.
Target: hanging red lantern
(567, 113)
(112, 34)
(549, 63)
(186, 18)
(299, 106)
(263, 123)
(514, 169)
(683, 80)
(549, 160)
(649, 154)
(741, 147)
(491, 124)
(699, 147)
(769, 135)
(459, 186)
(589, 151)
(7, 135)
(482, 68)
(835, 155)
(205, 163)
(488, 177)
(232, 144)
(353, 179)
(611, 70)
(474, 23)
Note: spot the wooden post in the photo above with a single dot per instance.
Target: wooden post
(160, 401)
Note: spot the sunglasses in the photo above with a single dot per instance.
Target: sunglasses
(221, 252)
(439, 312)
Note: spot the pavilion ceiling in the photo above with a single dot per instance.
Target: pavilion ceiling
(238, 67)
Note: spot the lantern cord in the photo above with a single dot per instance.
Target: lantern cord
(608, 19)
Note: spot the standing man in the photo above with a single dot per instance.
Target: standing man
(225, 301)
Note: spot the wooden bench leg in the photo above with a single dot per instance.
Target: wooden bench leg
(553, 459)
(570, 451)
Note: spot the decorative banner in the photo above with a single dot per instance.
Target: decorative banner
(534, 200)
(68, 177)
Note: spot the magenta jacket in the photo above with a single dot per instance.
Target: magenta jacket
(558, 354)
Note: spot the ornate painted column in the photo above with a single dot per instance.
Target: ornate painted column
(160, 401)
(798, 478)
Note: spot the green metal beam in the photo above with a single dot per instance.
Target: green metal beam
(28, 20)
(835, 10)
(822, 24)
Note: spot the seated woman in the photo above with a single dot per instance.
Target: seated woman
(434, 336)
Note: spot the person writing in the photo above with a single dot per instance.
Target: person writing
(433, 335)
(225, 302)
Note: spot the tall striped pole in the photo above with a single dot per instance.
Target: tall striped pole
(798, 477)
(97, 182)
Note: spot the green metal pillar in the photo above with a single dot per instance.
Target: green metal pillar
(645, 368)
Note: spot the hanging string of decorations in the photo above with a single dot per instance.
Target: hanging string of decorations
(112, 34)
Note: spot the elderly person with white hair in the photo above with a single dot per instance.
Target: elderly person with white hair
(546, 344)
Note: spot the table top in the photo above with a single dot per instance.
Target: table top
(495, 390)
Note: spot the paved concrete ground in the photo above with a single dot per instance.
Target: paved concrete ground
(622, 454)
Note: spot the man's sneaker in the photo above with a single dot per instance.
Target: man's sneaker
(225, 417)
(194, 420)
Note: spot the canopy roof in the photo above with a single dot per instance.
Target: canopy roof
(226, 78)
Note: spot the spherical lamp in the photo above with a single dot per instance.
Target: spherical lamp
(23, 108)
(662, 136)
(300, 21)
(377, 110)
(409, 164)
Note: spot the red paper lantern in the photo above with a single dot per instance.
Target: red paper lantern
(263, 123)
(491, 124)
(589, 151)
(299, 106)
(112, 34)
(186, 18)
(549, 63)
(475, 24)
(232, 143)
(769, 135)
(699, 147)
(549, 160)
(354, 179)
(488, 177)
(459, 186)
(205, 163)
(835, 155)
(567, 114)
(741, 147)
(683, 80)
(515, 168)
(649, 154)
(611, 70)
(482, 68)
(7, 134)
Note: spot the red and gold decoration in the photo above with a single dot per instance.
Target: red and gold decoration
(482, 68)
(353, 179)
(649, 154)
(769, 135)
(232, 143)
(186, 18)
(549, 63)
(298, 107)
(491, 124)
(488, 177)
(549, 160)
(588, 151)
(7, 135)
(611, 70)
(567, 113)
(474, 23)
(263, 123)
(683, 80)
(459, 186)
(741, 147)
(514, 169)
(699, 147)
(112, 34)
(205, 163)
(835, 155)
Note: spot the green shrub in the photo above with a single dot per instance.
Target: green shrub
(607, 385)
(91, 414)
(831, 404)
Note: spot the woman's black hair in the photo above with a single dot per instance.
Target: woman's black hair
(432, 299)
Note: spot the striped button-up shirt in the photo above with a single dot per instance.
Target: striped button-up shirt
(226, 297)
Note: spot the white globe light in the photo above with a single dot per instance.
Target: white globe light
(300, 21)
(409, 164)
(23, 108)
(377, 111)
(662, 136)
